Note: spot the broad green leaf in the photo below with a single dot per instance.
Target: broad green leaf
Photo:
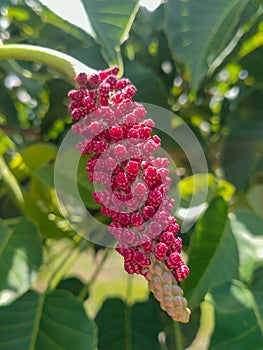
(128, 327)
(42, 206)
(197, 32)
(213, 255)
(238, 316)
(247, 229)
(75, 40)
(26, 163)
(148, 49)
(111, 21)
(242, 147)
(39, 322)
(49, 17)
(150, 86)
(20, 258)
(34, 156)
(47, 29)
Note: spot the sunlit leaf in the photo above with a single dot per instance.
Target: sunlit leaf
(111, 22)
(20, 258)
(238, 316)
(42, 206)
(32, 158)
(247, 229)
(197, 38)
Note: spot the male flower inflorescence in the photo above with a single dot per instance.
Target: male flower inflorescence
(134, 184)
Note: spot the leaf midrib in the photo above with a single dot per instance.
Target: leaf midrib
(37, 320)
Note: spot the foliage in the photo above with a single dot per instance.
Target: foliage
(200, 59)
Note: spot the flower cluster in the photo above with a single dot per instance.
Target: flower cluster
(133, 183)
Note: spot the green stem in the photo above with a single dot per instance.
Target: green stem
(63, 63)
(66, 263)
(11, 182)
(129, 288)
(207, 325)
(178, 336)
(128, 341)
(27, 73)
(87, 286)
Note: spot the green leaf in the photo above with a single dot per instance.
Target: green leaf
(197, 32)
(128, 327)
(39, 322)
(247, 229)
(142, 77)
(213, 256)
(42, 206)
(69, 37)
(38, 154)
(148, 49)
(238, 316)
(111, 22)
(242, 148)
(20, 258)
(32, 158)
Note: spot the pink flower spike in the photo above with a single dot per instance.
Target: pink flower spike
(133, 184)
